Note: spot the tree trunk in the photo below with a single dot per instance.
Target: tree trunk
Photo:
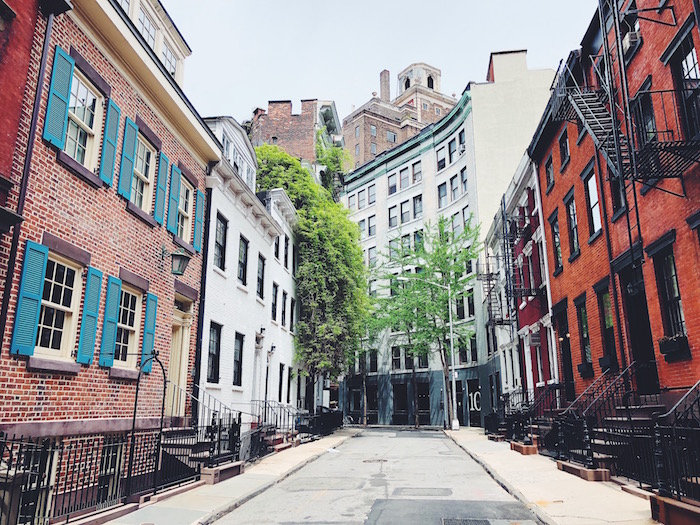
(448, 384)
(415, 395)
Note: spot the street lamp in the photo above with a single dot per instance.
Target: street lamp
(455, 421)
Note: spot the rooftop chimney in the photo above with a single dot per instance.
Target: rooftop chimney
(384, 86)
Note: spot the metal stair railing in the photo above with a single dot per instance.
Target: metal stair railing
(546, 402)
(677, 448)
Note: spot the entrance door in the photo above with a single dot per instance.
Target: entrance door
(176, 402)
(639, 328)
(565, 352)
(424, 403)
(400, 416)
(460, 402)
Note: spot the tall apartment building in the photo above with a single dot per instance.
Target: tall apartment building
(381, 123)
(296, 133)
(451, 168)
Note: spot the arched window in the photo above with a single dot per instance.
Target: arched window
(407, 84)
(430, 82)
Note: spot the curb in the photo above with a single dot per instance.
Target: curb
(227, 508)
(541, 515)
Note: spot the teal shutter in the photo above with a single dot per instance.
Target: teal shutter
(31, 287)
(173, 199)
(91, 309)
(56, 119)
(109, 142)
(198, 221)
(109, 324)
(126, 168)
(161, 184)
(149, 332)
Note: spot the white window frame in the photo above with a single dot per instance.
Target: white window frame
(92, 143)
(141, 26)
(185, 216)
(70, 323)
(132, 351)
(143, 147)
(170, 62)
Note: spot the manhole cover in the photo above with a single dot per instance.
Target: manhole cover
(374, 461)
(463, 521)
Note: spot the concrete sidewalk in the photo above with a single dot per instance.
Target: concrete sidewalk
(206, 503)
(556, 497)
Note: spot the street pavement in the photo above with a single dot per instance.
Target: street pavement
(388, 476)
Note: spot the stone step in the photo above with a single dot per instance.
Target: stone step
(281, 446)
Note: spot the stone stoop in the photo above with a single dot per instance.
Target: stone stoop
(214, 475)
(673, 512)
(496, 437)
(636, 491)
(525, 450)
(596, 474)
(279, 447)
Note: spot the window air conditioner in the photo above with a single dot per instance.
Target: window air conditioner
(462, 148)
(630, 41)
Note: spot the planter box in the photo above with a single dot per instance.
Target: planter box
(675, 349)
(585, 370)
(607, 362)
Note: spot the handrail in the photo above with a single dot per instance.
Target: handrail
(208, 407)
(605, 376)
(693, 404)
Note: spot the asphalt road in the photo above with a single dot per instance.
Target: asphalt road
(387, 477)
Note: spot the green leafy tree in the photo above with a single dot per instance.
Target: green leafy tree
(336, 161)
(413, 308)
(331, 279)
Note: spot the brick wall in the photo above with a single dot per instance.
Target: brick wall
(95, 220)
(294, 133)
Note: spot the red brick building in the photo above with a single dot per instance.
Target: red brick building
(621, 192)
(115, 184)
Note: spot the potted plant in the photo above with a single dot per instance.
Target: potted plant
(674, 347)
(585, 370)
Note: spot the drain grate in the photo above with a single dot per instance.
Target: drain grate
(374, 461)
(463, 521)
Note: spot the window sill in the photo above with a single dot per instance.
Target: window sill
(619, 213)
(221, 272)
(580, 137)
(259, 300)
(595, 235)
(79, 170)
(235, 388)
(123, 373)
(650, 184)
(182, 244)
(53, 366)
(549, 188)
(540, 384)
(274, 322)
(140, 214)
(574, 255)
(212, 386)
(557, 271)
(564, 164)
(242, 287)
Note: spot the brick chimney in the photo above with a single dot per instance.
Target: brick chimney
(384, 85)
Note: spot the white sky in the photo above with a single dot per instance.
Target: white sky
(245, 53)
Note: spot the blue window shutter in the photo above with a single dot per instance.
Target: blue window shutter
(198, 221)
(31, 287)
(149, 332)
(174, 198)
(109, 142)
(59, 97)
(126, 168)
(109, 324)
(91, 309)
(159, 211)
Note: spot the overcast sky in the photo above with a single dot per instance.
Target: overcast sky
(245, 53)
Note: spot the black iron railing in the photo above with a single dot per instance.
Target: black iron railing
(677, 448)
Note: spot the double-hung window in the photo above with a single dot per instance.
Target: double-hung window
(442, 195)
(390, 136)
(564, 148)
(452, 147)
(393, 217)
(372, 256)
(220, 242)
(556, 243)
(243, 260)
(549, 173)
(372, 225)
(392, 183)
(292, 311)
(128, 326)
(286, 251)
(284, 308)
(275, 291)
(238, 359)
(142, 180)
(59, 308)
(418, 206)
(371, 194)
(405, 212)
(363, 228)
(360, 199)
(454, 188)
(214, 353)
(606, 321)
(440, 158)
(261, 276)
(403, 178)
(594, 220)
(574, 246)
(169, 59)
(351, 202)
(84, 121)
(417, 174)
(463, 177)
(585, 341)
(686, 73)
(396, 358)
(147, 28)
(184, 210)
(670, 294)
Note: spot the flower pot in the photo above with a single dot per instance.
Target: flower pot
(674, 348)
(585, 370)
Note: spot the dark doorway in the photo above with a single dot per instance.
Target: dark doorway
(372, 407)
(400, 416)
(309, 396)
(460, 402)
(564, 337)
(641, 342)
(424, 403)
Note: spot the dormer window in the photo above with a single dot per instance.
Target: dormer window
(430, 82)
(147, 28)
(169, 59)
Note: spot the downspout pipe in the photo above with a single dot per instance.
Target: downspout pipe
(58, 8)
